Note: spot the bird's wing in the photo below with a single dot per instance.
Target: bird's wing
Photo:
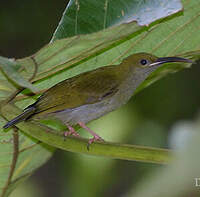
(87, 88)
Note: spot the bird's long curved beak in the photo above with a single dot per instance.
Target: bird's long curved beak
(163, 60)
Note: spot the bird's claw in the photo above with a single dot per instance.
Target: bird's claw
(96, 138)
(70, 133)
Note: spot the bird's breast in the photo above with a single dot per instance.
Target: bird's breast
(88, 112)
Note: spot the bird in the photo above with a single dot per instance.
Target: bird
(91, 95)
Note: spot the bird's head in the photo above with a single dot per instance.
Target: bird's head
(147, 63)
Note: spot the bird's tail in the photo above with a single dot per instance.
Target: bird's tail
(26, 114)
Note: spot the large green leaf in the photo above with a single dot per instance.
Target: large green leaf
(68, 57)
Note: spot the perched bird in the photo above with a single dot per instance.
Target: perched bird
(90, 95)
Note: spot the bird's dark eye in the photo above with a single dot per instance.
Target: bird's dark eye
(143, 62)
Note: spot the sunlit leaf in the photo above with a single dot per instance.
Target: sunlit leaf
(82, 17)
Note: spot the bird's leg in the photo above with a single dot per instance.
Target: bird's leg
(95, 136)
(71, 132)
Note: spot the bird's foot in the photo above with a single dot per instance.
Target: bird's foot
(95, 136)
(71, 132)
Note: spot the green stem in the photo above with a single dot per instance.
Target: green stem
(79, 145)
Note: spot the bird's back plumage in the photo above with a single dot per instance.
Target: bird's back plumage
(86, 88)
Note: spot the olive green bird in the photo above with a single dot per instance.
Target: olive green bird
(90, 95)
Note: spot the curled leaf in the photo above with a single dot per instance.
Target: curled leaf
(10, 68)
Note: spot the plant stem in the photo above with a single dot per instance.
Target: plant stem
(79, 145)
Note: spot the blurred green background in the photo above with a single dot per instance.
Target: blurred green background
(26, 26)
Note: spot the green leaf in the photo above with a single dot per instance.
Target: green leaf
(10, 68)
(62, 54)
(83, 17)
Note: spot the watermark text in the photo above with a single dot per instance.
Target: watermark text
(197, 182)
